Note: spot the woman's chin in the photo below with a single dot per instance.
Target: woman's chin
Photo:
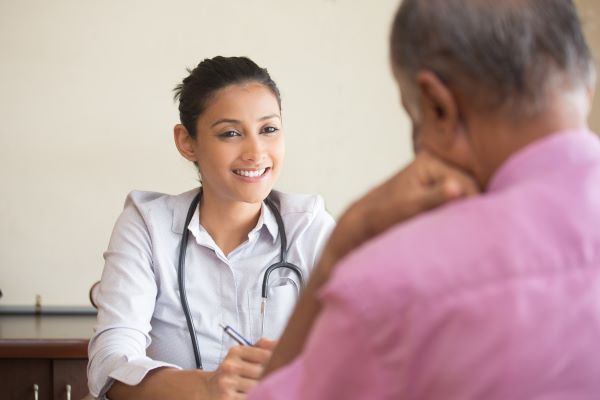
(254, 197)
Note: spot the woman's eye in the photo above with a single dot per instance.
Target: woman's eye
(229, 134)
(270, 129)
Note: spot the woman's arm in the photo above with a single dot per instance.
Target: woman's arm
(424, 184)
(236, 375)
(164, 383)
(126, 300)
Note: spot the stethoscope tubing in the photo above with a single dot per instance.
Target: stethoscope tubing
(265, 284)
(181, 279)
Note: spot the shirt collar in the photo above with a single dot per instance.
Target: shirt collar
(548, 153)
(267, 218)
(181, 205)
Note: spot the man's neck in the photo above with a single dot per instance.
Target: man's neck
(499, 137)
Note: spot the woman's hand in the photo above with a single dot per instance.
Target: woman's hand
(240, 371)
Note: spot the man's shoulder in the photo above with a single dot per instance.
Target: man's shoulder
(440, 235)
(426, 254)
(531, 228)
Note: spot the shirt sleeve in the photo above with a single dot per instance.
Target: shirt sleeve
(338, 362)
(126, 300)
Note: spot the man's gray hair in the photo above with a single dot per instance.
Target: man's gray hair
(505, 54)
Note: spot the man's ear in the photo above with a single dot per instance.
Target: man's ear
(439, 112)
(443, 130)
(184, 142)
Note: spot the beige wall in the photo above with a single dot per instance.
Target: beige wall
(590, 11)
(86, 114)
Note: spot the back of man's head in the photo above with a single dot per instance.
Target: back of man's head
(505, 54)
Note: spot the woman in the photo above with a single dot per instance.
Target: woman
(231, 128)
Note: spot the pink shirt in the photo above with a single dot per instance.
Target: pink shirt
(495, 297)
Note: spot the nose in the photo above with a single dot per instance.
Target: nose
(254, 149)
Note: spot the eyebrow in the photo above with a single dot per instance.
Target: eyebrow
(236, 121)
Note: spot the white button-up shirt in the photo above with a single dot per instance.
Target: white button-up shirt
(141, 324)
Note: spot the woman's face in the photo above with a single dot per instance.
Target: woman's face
(239, 145)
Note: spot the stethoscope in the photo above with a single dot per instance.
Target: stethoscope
(282, 263)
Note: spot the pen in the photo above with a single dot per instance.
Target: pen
(235, 335)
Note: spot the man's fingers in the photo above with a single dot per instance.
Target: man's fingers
(440, 193)
(434, 170)
(452, 189)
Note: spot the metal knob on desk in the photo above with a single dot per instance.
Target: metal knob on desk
(36, 391)
(68, 392)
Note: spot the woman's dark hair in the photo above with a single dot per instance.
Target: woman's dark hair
(211, 75)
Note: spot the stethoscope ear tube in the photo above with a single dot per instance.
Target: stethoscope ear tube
(181, 279)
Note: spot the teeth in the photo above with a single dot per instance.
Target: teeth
(250, 174)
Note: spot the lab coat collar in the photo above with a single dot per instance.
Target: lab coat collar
(181, 205)
(267, 218)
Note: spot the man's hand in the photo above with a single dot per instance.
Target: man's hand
(425, 183)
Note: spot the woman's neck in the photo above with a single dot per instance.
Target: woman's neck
(228, 222)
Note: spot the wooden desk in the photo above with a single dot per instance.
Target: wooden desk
(49, 351)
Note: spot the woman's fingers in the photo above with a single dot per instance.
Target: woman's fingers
(242, 368)
(244, 385)
(267, 344)
(251, 354)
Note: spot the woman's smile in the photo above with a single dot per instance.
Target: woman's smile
(252, 175)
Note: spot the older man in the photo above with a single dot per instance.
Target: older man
(496, 296)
